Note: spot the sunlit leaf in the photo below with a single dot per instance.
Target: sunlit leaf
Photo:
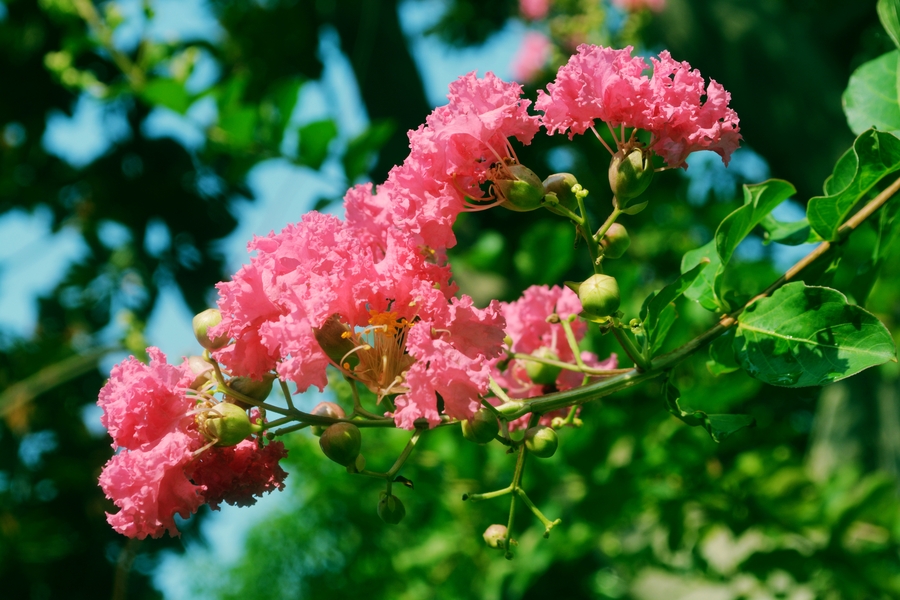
(870, 99)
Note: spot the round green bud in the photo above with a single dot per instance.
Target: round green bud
(541, 373)
(495, 535)
(202, 323)
(599, 295)
(560, 185)
(629, 175)
(228, 424)
(257, 390)
(482, 427)
(541, 441)
(341, 443)
(326, 409)
(615, 241)
(521, 193)
(390, 509)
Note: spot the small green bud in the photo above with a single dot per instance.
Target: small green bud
(560, 186)
(599, 295)
(495, 536)
(390, 509)
(326, 409)
(629, 175)
(341, 443)
(258, 390)
(541, 441)
(541, 373)
(482, 427)
(522, 193)
(228, 424)
(333, 336)
(615, 241)
(204, 321)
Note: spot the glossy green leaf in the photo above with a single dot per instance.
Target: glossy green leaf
(718, 426)
(759, 200)
(168, 93)
(790, 234)
(705, 288)
(874, 155)
(721, 355)
(802, 336)
(663, 325)
(870, 99)
(659, 301)
(315, 139)
(889, 15)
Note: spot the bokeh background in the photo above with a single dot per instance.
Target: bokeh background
(143, 143)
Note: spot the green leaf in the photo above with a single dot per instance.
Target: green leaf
(657, 302)
(721, 355)
(665, 322)
(718, 426)
(889, 15)
(239, 125)
(362, 148)
(789, 234)
(168, 93)
(759, 200)
(802, 336)
(888, 230)
(705, 288)
(870, 99)
(315, 138)
(874, 155)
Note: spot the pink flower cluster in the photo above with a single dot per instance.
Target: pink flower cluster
(636, 5)
(530, 331)
(156, 474)
(680, 112)
(534, 9)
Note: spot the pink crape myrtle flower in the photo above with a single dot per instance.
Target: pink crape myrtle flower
(636, 5)
(462, 145)
(531, 57)
(534, 10)
(151, 418)
(681, 114)
(239, 474)
(527, 326)
(382, 308)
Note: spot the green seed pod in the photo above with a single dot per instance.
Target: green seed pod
(521, 194)
(541, 373)
(341, 443)
(333, 337)
(228, 423)
(495, 535)
(326, 409)
(482, 427)
(560, 186)
(615, 242)
(541, 441)
(599, 295)
(204, 321)
(390, 509)
(629, 175)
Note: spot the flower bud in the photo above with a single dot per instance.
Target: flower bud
(257, 390)
(541, 441)
(204, 321)
(333, 336)
(326, 409)
(390, 509)
(629, 175)
(495, 535)
(508, 408)
(615, 241)
(482, 427)
(599, 295)
(541, 373)
(203, 371)
(521, 193)
(228, 424)
(560, 185)
(341, 443)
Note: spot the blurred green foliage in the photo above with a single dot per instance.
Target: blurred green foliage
(802, 506)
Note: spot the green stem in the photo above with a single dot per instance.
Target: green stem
(615, 214)
(573, 344)
(286, 391)
(357, 405)
(584, 228)
(489, 495)
(636, 356)
(548, 524)
(568, 366)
